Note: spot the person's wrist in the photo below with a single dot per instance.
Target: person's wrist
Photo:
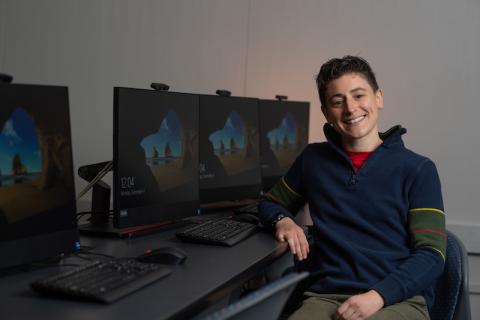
(278, 219)
(378, 297)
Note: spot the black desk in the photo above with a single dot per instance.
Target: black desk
(208, 274)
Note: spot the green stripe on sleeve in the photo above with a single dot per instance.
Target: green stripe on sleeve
(284, 195)
(427, 229)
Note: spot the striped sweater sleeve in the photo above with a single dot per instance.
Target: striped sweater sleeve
(427, 229)
(284, 198)
(426, 223)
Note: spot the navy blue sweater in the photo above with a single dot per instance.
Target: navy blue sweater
(380, 228)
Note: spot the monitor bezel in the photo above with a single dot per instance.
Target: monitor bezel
(146, 215)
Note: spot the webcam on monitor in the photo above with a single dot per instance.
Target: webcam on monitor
(159, 86)
(5, 78)
(223, 93)
(280, 97)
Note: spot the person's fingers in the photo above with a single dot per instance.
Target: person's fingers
(303, 245)
(298, 249)
(291, 243)
(303, 248)
(341, 310)
(348, 311)
(356, 316)
(295, 237)
(348, 314)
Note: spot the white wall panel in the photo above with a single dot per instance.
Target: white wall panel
(3, 31)
(92, 46)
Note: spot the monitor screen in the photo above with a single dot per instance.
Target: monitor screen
(229, 149)
(155, 156)
(37, 195)
(283, 135)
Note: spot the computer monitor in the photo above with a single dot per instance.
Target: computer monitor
(155, 161)
(283, 135)
(229, 149)
(37, 194)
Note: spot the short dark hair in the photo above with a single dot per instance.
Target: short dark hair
(337, 67)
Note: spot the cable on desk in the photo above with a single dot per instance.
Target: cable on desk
(81, 214)
(54, 262)
(49, 263)
(80, 254)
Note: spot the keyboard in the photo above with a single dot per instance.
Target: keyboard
(223, 232)
(102, 281)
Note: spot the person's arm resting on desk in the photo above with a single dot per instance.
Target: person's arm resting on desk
(276, 208)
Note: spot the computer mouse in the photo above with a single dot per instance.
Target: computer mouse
(247, 217)
(163, 255)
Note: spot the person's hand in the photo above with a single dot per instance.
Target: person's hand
(288, 230)
(360, 306)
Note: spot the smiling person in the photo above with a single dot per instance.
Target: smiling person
(379, 224)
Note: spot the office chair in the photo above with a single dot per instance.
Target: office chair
(452, 296)
(265, 303)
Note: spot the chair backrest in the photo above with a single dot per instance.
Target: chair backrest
(265, 303)
(452, 297)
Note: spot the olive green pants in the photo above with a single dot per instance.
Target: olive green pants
(323, 307)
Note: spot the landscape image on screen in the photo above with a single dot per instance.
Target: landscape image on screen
(164, 153)
(35, 163)
(229, 146)
(283, 141)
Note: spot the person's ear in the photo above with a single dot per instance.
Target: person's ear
(379, 98)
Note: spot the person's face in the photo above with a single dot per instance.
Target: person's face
(352, 108)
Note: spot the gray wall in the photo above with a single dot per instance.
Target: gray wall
(426, 55)
(3, 23)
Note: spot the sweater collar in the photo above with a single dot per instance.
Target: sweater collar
(391, 137)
